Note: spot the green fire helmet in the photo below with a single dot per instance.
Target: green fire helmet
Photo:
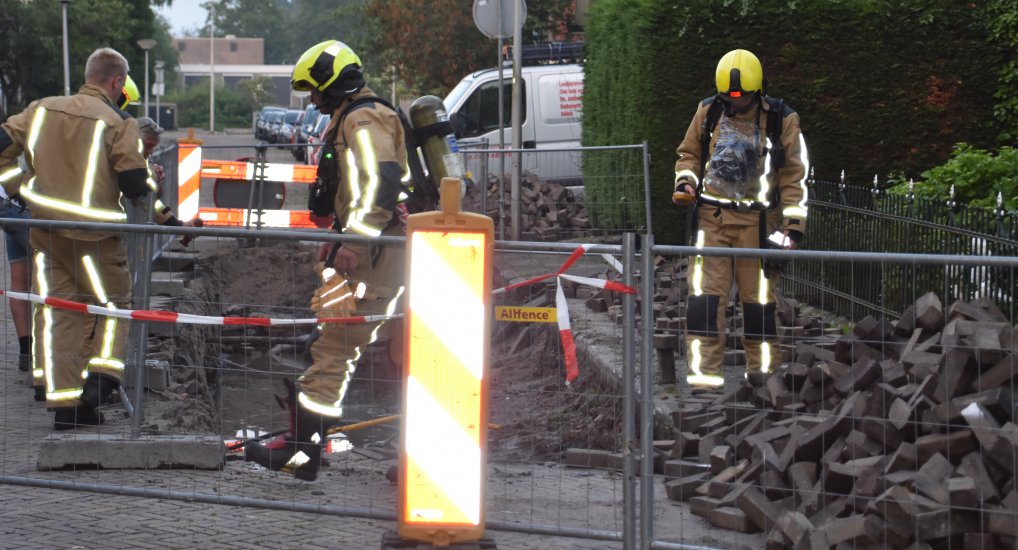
(322, 64)
(129, 93)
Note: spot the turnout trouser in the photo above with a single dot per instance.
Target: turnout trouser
(335, 354)
(70, 344)
(710, 280)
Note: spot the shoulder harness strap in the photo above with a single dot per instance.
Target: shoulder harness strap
(775, 119)
(707, 131)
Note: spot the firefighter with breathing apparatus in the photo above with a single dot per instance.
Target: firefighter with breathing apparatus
(363, 162)
(741, 169)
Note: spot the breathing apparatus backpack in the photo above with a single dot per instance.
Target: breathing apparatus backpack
(432, 139)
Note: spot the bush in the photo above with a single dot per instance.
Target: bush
(233, 108)
(878, 85)
(977, 175)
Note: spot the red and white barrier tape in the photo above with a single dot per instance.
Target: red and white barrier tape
(562, 305)
(160, 316)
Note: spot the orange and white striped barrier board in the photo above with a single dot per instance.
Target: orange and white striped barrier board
(241, 217)
(443, 440)
(192, 169)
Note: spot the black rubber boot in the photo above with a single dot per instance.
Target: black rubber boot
(312, 428)
(101, 389)
(39, 393)
(298, 452)
(69, 418)
(276, 452)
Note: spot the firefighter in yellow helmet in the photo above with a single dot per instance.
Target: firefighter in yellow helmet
(364, 160)
(128, 94)
(743, 165)
(83, 154)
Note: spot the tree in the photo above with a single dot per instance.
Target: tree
(271, 20)
(233, 107)
(433, 43)
(31, 42)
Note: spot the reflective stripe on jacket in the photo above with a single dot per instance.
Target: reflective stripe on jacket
(75, 145)
(372, 155)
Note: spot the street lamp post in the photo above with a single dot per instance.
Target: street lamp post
(146, 44)
(160, 68)
(67, 63)
(212, 68)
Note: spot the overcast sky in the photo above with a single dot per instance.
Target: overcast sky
(185, 15)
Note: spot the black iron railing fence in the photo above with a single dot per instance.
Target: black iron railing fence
(868, 219)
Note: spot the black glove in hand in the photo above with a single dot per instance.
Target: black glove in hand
(18, 201)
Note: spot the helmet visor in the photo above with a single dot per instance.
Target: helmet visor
(301, 85)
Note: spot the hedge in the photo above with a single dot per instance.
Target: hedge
(879, 86)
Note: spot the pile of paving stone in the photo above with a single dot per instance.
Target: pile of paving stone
(548, 211)
(898, 434)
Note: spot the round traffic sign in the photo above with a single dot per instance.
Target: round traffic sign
(494, 24)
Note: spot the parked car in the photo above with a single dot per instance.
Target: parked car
(262, 124)
(311, 115)
(316, 136)
(272, 122)
(285, 132)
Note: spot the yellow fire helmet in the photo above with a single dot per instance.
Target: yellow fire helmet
(739, 72)
(129, 93)
(322, 64)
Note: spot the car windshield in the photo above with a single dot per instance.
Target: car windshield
(291, 116)
(310, 117)
(456, 94)
(321, 124)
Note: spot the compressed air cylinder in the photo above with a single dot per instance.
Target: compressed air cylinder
(434, 136)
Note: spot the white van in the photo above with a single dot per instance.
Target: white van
(552, 101)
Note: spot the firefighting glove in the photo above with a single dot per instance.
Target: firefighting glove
(337, 296)
(795, 237)
(685, 191)
(16, 200)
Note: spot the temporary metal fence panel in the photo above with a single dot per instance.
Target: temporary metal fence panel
(838, 444)
(869, 431)
(565, 194)
(215, 361)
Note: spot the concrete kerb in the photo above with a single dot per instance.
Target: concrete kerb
(114, 451)
(597, 358)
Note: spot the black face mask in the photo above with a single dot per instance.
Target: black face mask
(731, 110)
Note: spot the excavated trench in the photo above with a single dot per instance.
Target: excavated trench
(224, 378)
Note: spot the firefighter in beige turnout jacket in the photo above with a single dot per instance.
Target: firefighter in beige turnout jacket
(741, 199)
(82, 153)
(365, 157)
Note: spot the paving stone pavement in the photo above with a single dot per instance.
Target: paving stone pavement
(525, 494)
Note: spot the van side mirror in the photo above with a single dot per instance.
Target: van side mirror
(459, 125)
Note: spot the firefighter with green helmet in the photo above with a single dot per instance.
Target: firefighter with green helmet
(128, 94)
(742, 165)
(364, 161)
(82, 156)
